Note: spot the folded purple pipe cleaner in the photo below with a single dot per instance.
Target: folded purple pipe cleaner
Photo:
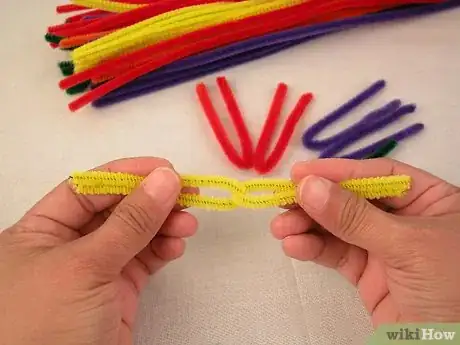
(262, 41)
(308, 137)
(398, 137)
(380, 119)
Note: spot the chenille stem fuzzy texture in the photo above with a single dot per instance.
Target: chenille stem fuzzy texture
(371, 123)
(251, 158)
(280, 192)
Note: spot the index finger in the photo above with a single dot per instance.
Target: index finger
(339, 169)
(65, 207)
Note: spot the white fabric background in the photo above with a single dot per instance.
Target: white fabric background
(234, 285)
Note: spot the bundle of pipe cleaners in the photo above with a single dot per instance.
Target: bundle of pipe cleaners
(123, 49)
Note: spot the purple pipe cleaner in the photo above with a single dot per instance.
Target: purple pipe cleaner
(262, 41)
(398, 137)
(309, 135)
(380, 119)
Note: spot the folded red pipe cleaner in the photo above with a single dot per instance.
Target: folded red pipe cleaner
(243, 161)
(250, 158)
(264, 165)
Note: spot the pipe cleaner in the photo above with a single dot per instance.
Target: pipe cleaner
(384, 150)
(262, 164)
(280, 192)
(371, 123)
(365, 128)
(249, 158)
(106, 5)
(245, 160)
(241, 52)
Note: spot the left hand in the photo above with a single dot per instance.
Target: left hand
(73, 267)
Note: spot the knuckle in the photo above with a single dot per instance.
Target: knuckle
(353, 217)
(163, 162)
(135, 218)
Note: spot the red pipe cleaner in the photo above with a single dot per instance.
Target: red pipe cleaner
(69, 8)
(79, 17)
(245, 160)
(197, 46)
(73, 25)
(262, 165)
(270, 125)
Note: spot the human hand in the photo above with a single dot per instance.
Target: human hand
(404, 263)
(73, 267)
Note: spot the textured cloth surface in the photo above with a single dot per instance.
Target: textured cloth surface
(234, 285)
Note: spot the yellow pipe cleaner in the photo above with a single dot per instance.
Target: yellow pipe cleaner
(105, 5)
(170, 25)
(280, 192)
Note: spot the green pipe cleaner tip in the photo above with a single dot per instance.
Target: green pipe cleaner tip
(52, 38)
(78, 88)
(384, 150)
(66, 67)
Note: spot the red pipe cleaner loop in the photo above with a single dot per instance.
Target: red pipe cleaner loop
(262, 165)
(245, 160)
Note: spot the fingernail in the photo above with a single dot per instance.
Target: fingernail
(314, 192)
(163, 184)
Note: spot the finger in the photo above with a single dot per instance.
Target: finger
(345, 215)
(72, 210)
(337, 170)
(135, 221)
(373, 285)
(179, 224)
(289, 223)
(161, 251)
(328, 251)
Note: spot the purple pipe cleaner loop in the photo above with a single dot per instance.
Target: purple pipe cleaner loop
(367, 128)
(269, 39)
(402, 135)
(309, 135)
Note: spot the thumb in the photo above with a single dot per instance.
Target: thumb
(136, 220)
(349, 217)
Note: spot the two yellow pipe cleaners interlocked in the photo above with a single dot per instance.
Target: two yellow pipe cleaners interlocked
(280, 192)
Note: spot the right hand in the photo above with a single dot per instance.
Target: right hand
(405, 263)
